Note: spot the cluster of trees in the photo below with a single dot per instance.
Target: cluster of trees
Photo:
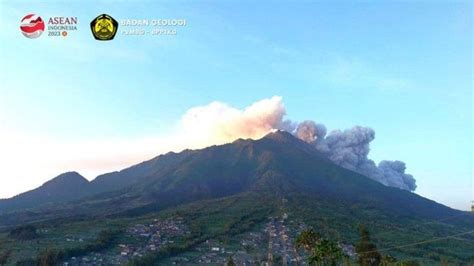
(367, 254)
(233, 227)
(4, 256)
(152, 258)
(26, 232)
(51, 256)
(323, 251)
(366, 250)
(230, 262)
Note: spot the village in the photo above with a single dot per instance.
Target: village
(272, 244)
(142, 239)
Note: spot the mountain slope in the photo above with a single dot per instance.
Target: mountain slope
(65, 187)
(228, 189)
(279, 164)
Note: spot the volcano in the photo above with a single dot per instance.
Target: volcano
(277, 163)
(277, 173)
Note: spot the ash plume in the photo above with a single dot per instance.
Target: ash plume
(394, 172)
(200, 126)
(350, 149)
(218, 123)
(309, 131)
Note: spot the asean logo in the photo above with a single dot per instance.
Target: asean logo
(32, 26)
(104, 27)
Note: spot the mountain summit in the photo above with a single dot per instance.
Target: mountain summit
(243, 183)
(63, 188)
(278, 163)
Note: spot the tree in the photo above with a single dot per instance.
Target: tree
(277, 260)
(347, 261)
(408, 263)
(387, 260)
(322, 251)
(307, 239)
(48, 257)
(26, 232)
(4, 257)
(444, 262)
(366, 250)
(230, 261)
(325, 252)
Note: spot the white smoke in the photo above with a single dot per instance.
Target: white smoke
(201, 126)
(218, 123)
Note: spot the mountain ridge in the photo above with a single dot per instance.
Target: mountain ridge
(243, 165)
(66, 186)
(256, 179)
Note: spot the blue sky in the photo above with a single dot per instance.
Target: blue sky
(404, 69)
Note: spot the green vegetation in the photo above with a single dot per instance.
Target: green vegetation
(52, 256)
(230, 262)
(4, 256)
(321, 251)
(223, 191)
(216, 219)
(339, 220)
(366, 250)
(26, 232)
(408, 263)
(307, 240)
(387, 260)
(225, 218)
(326, 252)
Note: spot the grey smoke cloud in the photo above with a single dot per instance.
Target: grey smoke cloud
(218, 123)
(350, 149)
(394, 172)
(309, 131)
